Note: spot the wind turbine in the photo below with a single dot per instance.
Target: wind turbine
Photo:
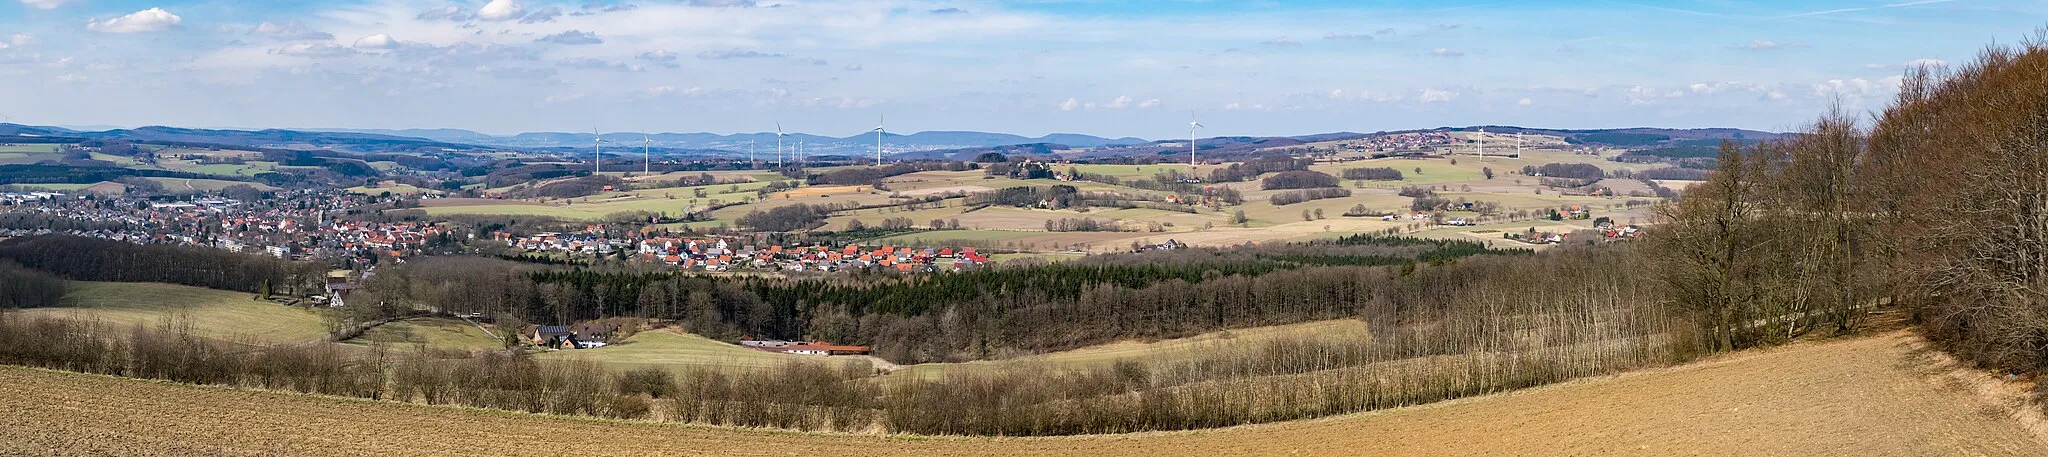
(750, 153)
(597, 166)
(1482, 145)
(778, 144)
(1192, 126)
(647, 142)
(883, 120)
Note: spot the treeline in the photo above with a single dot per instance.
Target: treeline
(1583, 171)
(1298, 196)
(1807, 233)
(967, 315)
(93, 259)
(1054, 196)
(1085, 224)
(1373, 174)
(1936, 207)
(42, 221)
(1482, 325)
(25, 288)
(788, 218)
(1298, 179)
(874, 175)
(1271, 163)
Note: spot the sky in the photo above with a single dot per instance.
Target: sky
(1102, 67)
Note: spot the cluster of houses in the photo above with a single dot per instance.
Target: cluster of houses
(27, 197)
(592, 241)
(293, 225)
(1399, 142)
(802, 347)
(713, 254)
(586, 336)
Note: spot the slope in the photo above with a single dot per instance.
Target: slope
(1864, 396)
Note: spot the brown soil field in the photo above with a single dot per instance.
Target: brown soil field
(1872, 396)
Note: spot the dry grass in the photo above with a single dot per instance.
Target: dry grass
(1866, 396)
(218, 314)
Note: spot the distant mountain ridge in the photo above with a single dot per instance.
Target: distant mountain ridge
(759, 141)
(929, 144)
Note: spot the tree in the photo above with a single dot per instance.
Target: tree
(1710, 251)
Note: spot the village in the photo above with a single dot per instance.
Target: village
(292, 225)
(728, 254)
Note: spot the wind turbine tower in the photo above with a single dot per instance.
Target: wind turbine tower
(648, 144)
(597, 166)
(778, 145)
(1482, 144)
(878, 138)
(1192, 126)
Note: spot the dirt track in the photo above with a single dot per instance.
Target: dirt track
(1870, 396)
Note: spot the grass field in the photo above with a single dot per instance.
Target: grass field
(183, 185)
(20, 148)
(670, 349)
(394, 189)
(58, 187)
(1878, 396)
(220, 314)
(1162, 350)
(432, 332)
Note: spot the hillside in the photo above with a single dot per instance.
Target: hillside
(1862, 396)
(211, 313)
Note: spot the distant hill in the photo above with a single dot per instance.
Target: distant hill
(930, 144)
(256, 139)
(759, 142)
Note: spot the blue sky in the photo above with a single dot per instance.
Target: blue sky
(1111, 68)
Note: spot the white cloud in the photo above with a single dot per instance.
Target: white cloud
(736, 54)
(501, 10)
(1446, 52)
(1347, 36)
(659, 56)
(1856, 88)
(1437, 96)
(45, 4)
(1927, 63)
(1121, 102)
(1148, 104)
(290, 31)
(450, 12)
(377, 41)
(1768, 45)
(1070, 104)
(315, 50)
(544, 15)
(1525, 101)
(21, 39)
(149, 20)
(572, 37)
(553, 99)
(1282, 41)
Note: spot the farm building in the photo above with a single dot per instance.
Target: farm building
(803, 347)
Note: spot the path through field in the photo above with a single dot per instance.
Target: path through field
(1871, 396)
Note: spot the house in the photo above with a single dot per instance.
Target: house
(338, 289)
(551, 335)
(803, 347)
